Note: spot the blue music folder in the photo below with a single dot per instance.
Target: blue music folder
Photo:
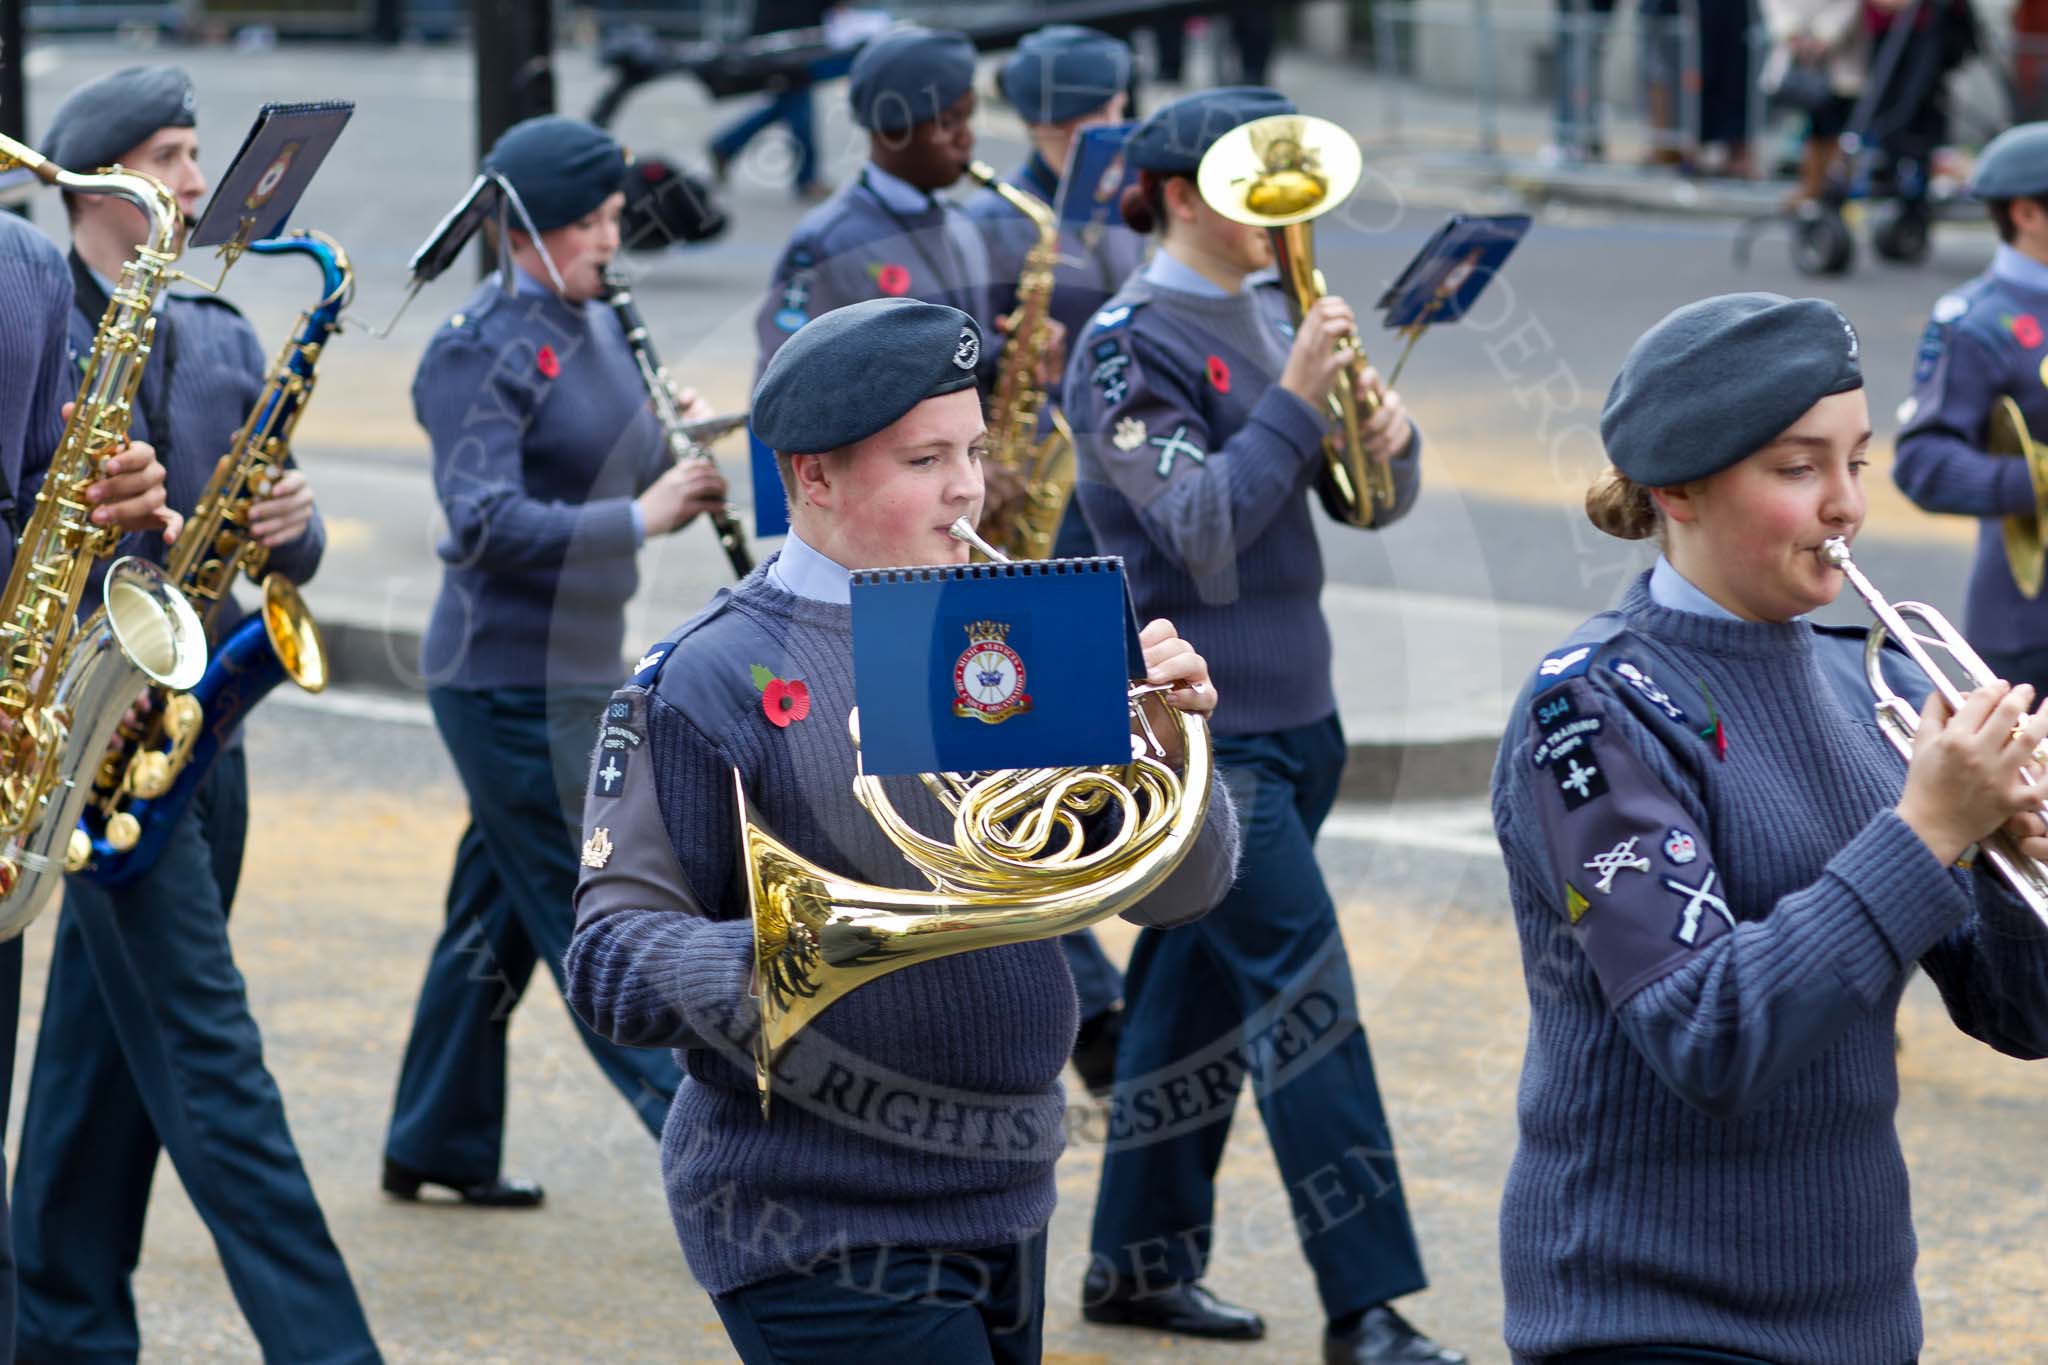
(1091, 190)
(977, 667)
(771, 500)
(1453, 268)
(276, 162)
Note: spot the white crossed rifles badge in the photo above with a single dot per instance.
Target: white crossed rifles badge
(1621, 858)
(1698, 901)
(1178, 444)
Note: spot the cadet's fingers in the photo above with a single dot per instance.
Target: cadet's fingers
(1155, 631)
(1977, 707)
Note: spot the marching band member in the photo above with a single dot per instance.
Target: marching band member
(1986, 341)
(552, 471)
(1063, 79)
(888, 232)
(1197, 410)
(895, 1201)
(1722, 883)
(147, 1041)
(35, 311)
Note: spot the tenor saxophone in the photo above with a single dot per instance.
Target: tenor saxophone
(64, 685)
(686, 440)
(1028, 525)
(153, 769)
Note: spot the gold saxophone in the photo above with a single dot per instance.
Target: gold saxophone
(65, 685)
(153, 767)
(1026, 528)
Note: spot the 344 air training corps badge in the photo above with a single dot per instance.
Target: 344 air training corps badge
(988, 677)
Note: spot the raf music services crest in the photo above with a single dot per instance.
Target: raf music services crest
(988, 677)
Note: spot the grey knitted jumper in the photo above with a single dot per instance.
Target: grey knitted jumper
(1708, 1155)
(923, 1109)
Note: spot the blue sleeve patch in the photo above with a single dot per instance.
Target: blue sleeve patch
(649, 667)
(1108, 376)
(1933, 342)
(1110, 317)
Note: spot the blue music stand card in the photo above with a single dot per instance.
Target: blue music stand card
(771, 501)
(263, 183)
(1453, 268)
(979, 667)
(1092, 189)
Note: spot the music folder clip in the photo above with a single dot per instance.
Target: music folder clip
(983, 667)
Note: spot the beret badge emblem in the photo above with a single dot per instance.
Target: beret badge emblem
(967, 353)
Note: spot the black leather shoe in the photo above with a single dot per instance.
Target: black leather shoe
(1095, 1051)
(403, 1182)
(1185, 1308)
(1384, 1337)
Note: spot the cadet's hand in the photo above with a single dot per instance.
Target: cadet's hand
(129, 493)
(691, 405)
(1964, 779)
(282, 515)
(1314, 362)
(1387, 433)
(680, 494)
(1173, 661)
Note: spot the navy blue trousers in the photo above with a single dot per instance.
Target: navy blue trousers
(905, 1305)
(524, 758)
(1258, 988)
(791, 108)
(147, 1043)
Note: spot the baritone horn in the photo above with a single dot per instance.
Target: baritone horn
(1282, 173)
(1016, 867)
(1899, 719)
(2025, 553)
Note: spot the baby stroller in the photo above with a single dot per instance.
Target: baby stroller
(1888, 147)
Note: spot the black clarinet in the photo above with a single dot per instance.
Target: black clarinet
(686, 440)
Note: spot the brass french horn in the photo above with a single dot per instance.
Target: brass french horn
(2026, 555)
(1281, 173)
(1016, 867)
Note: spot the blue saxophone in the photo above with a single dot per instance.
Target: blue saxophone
(156, 764)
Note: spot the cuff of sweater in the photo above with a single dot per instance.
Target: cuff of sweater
(2016, 496)
(712, 977)
(1910, 898)
(608, 528)
(1292, 420)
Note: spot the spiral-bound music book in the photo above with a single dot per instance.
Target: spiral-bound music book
(976, 667)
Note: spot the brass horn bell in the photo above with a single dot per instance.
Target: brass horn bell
(2025, 553)
(1281, 173)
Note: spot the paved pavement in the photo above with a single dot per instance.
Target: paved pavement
(355, 817)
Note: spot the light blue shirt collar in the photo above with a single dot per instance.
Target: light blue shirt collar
(524, 284)
(2016, 267)
(1674, 591)
(803, 572)
(1166, 272)
(896, 192)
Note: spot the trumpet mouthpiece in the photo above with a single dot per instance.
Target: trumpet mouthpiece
(1834, 552)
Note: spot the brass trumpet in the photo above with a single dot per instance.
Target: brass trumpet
(1015, 868)
(2025, 553)
(1281, 173)
(1899, 719)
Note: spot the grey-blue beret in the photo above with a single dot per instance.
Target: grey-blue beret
(1718, 380)
(1064, 71)
(102, 119)
(849, 373)
(2014, 164)
(1172, 141)
(561, 168)
(907, 76)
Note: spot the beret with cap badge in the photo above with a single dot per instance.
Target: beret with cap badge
(849, 373)
(907, 76)
(1718, 380)
(1173, 139)
(2014, 164)
(103, 119)
(561, 168)
(1064, 71)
